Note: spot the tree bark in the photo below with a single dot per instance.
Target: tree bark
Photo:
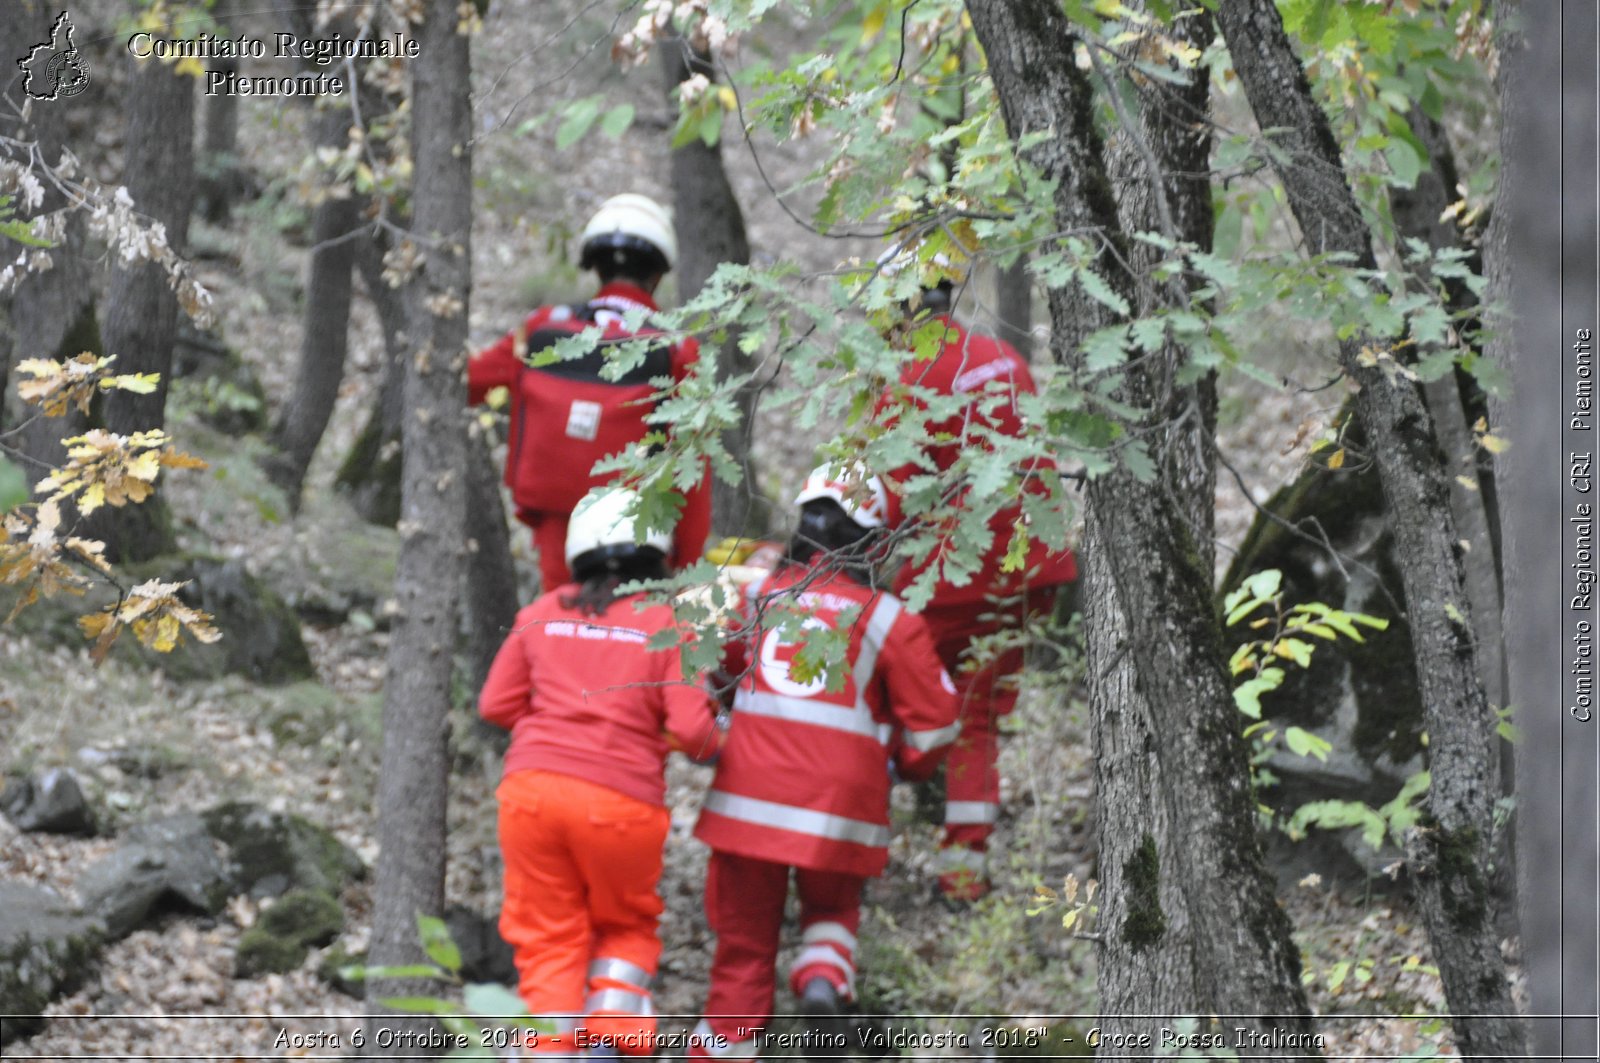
(141, 324)
(1455, 845)
(222, 177)
(371, 471)
(52, 314)
(707, 211)
(1146, 962)
(415, 765)
(1242, 946)
(324, 340)
(491, 603)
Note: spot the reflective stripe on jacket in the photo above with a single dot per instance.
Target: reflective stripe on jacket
(803, 777)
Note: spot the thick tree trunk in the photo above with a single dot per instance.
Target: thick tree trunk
(371, 471)
(1540, 264)
(52, 314)
(1242, 946)
(324, 339)
(1455, 845)
(141, 323)
(415, 766)
(707, 213)
(1146, 962)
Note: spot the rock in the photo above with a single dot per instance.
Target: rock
(163, 864)
(1361, 697)
(49, 801)
(45, 949)
(283, 936)
(274, 852)
(485, 956)
(260, 633)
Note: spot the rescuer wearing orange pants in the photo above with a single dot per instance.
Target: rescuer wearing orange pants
(803, 782)
(990, 375)
(593, 712)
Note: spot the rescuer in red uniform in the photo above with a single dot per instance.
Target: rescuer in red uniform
(802, 785)
(593, 712)
(566, 416)
(991, 374)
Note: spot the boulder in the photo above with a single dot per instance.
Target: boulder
(260, 633)
(271, 853)
(286, 932)
(45, 949)
(165, 864)
(49, 801)
(1363, 698)
(485, 956)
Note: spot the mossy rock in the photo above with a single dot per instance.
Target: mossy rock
(330, 970)
(273, 853)
(1361, 697)
(45, 951)
(299, 921)
(211, 381)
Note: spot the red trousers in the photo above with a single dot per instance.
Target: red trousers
(988, 692)
(744, 905)
(580, 913)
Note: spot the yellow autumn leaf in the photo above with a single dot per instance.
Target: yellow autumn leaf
(189, 66)
(165, 637)
(145, 467)
(138, 383)
(726, 97)
(94, 496)
(1336, 459)
(1494, 444)
(177, 459)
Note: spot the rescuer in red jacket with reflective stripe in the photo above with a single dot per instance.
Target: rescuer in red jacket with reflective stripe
(566, 416)
(593, 711)
(991, 373)
(803, 781)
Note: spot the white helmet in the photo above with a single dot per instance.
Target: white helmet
(601, 526)
(629, 222)
(940, 267)
(859, 493)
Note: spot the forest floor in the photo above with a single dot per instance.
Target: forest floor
(312, 747)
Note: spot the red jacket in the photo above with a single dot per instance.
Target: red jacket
(565, 416)
(804, 777)
(994, 374)
(582, 696)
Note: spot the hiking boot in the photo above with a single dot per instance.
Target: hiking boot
(823, 1012)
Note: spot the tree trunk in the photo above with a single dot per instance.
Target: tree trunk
(324, 339)
(415, 765)
(492, 600)
(1242, 946)
(1455, 845)
(707, 211)
(1540, 264)
(371, 471)
(52, 314)
(222, 177)
(1146, 962)
(141, 324)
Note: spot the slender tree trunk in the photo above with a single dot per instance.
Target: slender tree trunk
(371, 471)
(324, 339)
(1241, 937)
(222, 177)
(1455, 845)
(707, 213)
(415, 766)
(1146, 962)
(491, 605)
(141, 324)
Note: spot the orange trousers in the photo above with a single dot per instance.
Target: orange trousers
(581, 867)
